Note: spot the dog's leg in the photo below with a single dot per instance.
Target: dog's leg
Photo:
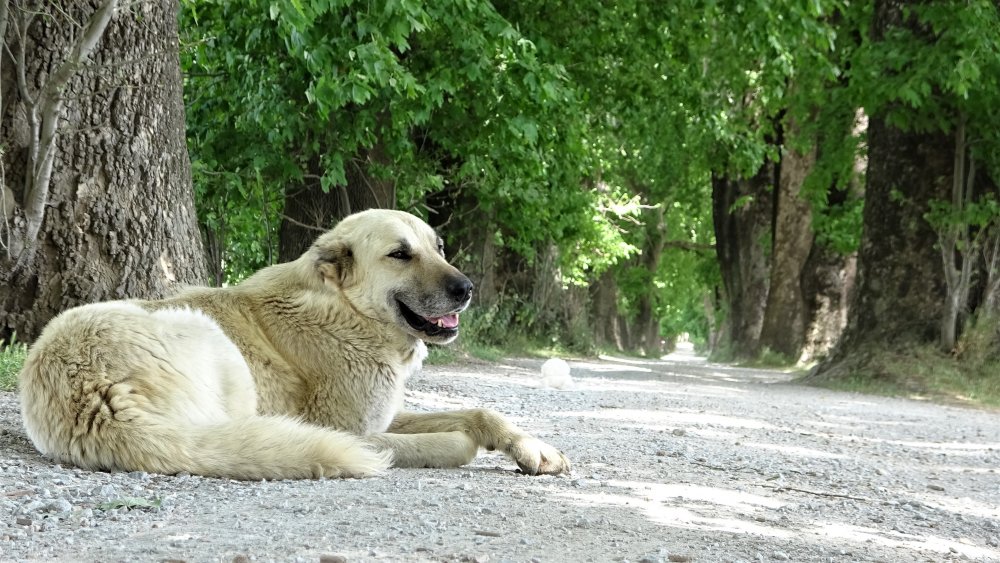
(451, 434)
(434, 449)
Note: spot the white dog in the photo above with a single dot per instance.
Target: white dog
(297, 372)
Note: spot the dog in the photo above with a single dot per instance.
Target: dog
(297, 372)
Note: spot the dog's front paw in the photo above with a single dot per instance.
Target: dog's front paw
(535, 457)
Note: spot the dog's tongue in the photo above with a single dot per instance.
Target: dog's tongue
(447, 321)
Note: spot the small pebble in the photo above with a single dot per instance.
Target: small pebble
(59, 505)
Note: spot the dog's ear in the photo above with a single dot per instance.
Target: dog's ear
(336, 263)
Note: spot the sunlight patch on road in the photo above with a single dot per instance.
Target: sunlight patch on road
(963, 469)
(617, 368)
(899, 540)
(675, 418)
(951, 449)
(963, 505)
(854, 421)
(436, 402)
(658, 387)
(681, 505)
(796, 450)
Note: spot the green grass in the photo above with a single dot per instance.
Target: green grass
(770, 359)
(11, 359)
(922, 373)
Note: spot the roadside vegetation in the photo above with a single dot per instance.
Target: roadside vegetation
(791, 186)
(11, 359)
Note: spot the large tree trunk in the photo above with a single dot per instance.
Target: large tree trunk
(741, 212)
(119, 218)
(900, 286)
(785, 317)
(309, 211)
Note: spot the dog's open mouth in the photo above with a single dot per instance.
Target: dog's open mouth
(446, 325)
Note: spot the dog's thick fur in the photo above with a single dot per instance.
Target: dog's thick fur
(297, 372)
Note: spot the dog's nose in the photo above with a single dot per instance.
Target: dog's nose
(460, 288)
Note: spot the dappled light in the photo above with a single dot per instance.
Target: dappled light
(671, 419)
(724, 510)
(796, 450)
(685, 506)
(688, 188)
(766, 467)
(922, 542)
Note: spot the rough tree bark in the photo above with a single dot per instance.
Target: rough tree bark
(829, 277)
(827, 282)
(741, 235)
(786, 315)
(900, 284)
(118, 218)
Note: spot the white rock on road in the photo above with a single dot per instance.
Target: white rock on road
(674, 460)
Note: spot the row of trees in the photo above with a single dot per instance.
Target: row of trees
(611, 174)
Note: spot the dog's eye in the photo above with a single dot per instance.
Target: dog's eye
(400, 255)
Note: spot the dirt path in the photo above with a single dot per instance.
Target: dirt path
(675, 460)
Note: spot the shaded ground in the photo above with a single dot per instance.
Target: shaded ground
(674, 460)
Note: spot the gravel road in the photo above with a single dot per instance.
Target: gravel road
(674, 460)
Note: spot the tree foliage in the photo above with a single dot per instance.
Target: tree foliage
(560, 125)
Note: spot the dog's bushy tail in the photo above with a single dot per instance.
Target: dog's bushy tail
(276, 447)
(250, 448)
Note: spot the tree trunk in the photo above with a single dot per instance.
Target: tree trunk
(647, 322)
(827, 282)
(741, 212)
(604, 296)
(546, 287)
(309, 211)
(119, 218)
(900, 285)
(784, 325)
(715, 330)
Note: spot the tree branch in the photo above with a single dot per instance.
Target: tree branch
(3, 21)
(303, 225)
(47, 113)
(781, 488)
(688, 245)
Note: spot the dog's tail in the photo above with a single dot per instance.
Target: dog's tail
(250, 448)
(277, 447)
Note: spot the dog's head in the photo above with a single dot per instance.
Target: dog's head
(390, 265)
